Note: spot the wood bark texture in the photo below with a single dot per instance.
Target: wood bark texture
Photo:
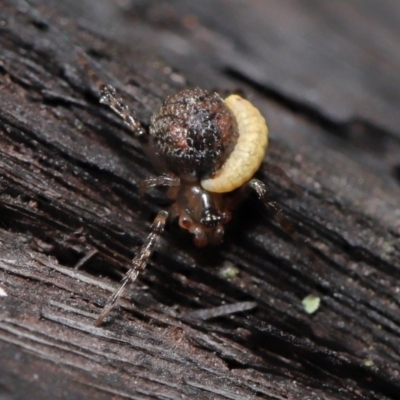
(326, 76)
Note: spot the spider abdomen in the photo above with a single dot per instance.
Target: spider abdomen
(193, 133)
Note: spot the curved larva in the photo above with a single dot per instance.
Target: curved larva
(249, 151)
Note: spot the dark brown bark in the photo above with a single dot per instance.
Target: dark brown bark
(69, 174)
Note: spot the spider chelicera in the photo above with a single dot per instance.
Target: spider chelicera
(207, 151)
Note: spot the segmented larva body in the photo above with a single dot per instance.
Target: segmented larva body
(249, 151)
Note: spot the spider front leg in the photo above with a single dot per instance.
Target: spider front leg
(161, 180)
(108, 96)
(279, 172)
(261, 190)
(138, 264)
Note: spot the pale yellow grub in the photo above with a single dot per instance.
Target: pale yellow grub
(248, 154)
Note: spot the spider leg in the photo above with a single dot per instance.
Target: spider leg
(108, 96)
(261, 190)
(279, 172)
(138, 264)
(161, 180)
(287, 225)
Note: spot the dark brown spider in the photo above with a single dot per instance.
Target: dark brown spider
(207, 150)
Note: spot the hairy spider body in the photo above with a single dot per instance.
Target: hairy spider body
(193, 133)
(195, 136)
(207, 151)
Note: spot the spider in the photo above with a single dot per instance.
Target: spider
(207, 150)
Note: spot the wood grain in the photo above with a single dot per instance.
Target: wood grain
(69, 174)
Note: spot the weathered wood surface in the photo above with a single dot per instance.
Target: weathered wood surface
(68, 185)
